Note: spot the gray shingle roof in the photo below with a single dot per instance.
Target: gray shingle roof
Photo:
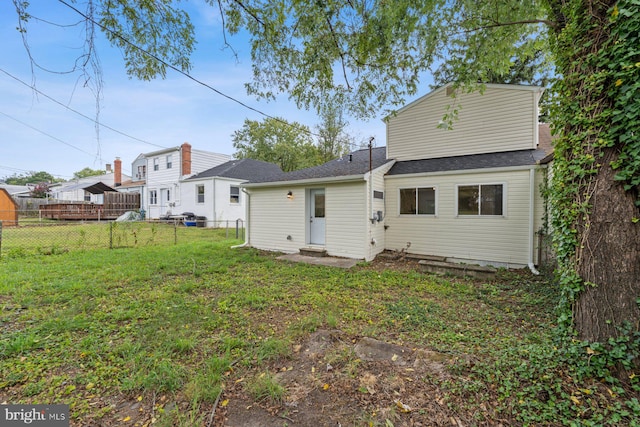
(245, 169)
(475, 161)
(356, 163)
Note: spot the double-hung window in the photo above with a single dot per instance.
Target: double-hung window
(169, 161)
(156, 164)
(234, 194)
(200, 193)
(481, 200)
(153, 197)
(418, 201)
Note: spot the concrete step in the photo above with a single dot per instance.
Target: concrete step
(315, 252)
(461, 270)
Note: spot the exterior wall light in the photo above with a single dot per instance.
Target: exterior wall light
(290, 195)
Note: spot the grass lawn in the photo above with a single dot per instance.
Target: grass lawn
(168, 335)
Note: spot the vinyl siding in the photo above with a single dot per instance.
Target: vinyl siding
(346, 232)
(375, 241)
(226, 213)
(273, 217)
(494, 240)
(501, 119)
(164, 178)
(204, 160)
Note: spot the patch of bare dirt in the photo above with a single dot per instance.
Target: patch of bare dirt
(336, 380)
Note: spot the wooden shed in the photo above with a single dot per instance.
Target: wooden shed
(8, 209)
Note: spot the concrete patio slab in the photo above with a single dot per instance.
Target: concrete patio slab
(327, 260)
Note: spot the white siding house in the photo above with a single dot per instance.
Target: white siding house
(467, 194)
(216, 195)
(329, 207)
(90, 189)
(165, 169)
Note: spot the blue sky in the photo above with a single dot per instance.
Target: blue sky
(37, 133)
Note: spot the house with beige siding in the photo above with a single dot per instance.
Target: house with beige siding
(336, 208)
(468, 193)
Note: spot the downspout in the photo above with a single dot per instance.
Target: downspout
(532, 188)
(247, 210)
(215, 194)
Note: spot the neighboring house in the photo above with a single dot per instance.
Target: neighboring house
(470, 194)
(8, 209)
(337, 207)
(165, 169)
(216, 194)
(138, 180)
(92, 188)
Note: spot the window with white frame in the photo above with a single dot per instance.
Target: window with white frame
(169, 161)
(87, 196)
(142, 172)
(153, 197)
(485, 199)
(234, 194)
(418, 201)
(156, 164)
(200, 193)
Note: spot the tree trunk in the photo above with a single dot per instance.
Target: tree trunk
(608, 258)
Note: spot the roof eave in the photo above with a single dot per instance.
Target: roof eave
(329, 180)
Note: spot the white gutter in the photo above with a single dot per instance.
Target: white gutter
(532, 188)
(247, 211)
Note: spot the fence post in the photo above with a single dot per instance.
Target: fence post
(175, 232)
(111, 235)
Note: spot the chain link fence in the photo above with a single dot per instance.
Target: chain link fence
(32, 236)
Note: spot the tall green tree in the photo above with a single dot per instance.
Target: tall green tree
(333, 139)
(31, 178)
(289, 145)
(370, 55)
(86, 172)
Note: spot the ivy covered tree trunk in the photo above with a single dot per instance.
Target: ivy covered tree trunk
(595, 189)
(609, 257)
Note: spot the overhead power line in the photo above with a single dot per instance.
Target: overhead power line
(32, 87)
(178, 70)
(46, 134)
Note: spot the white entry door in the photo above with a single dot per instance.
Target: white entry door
(165, 199)
(317, 217)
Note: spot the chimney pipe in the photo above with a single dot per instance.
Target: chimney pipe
(186, 159)
(117, 173)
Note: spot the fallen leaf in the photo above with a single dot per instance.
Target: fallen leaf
(325, 387)
(402, 406)
(139, 399)
(394, 357)
(126, 419)
(575, 400)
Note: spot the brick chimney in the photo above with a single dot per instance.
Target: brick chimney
(117, 172)
(186, 158)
